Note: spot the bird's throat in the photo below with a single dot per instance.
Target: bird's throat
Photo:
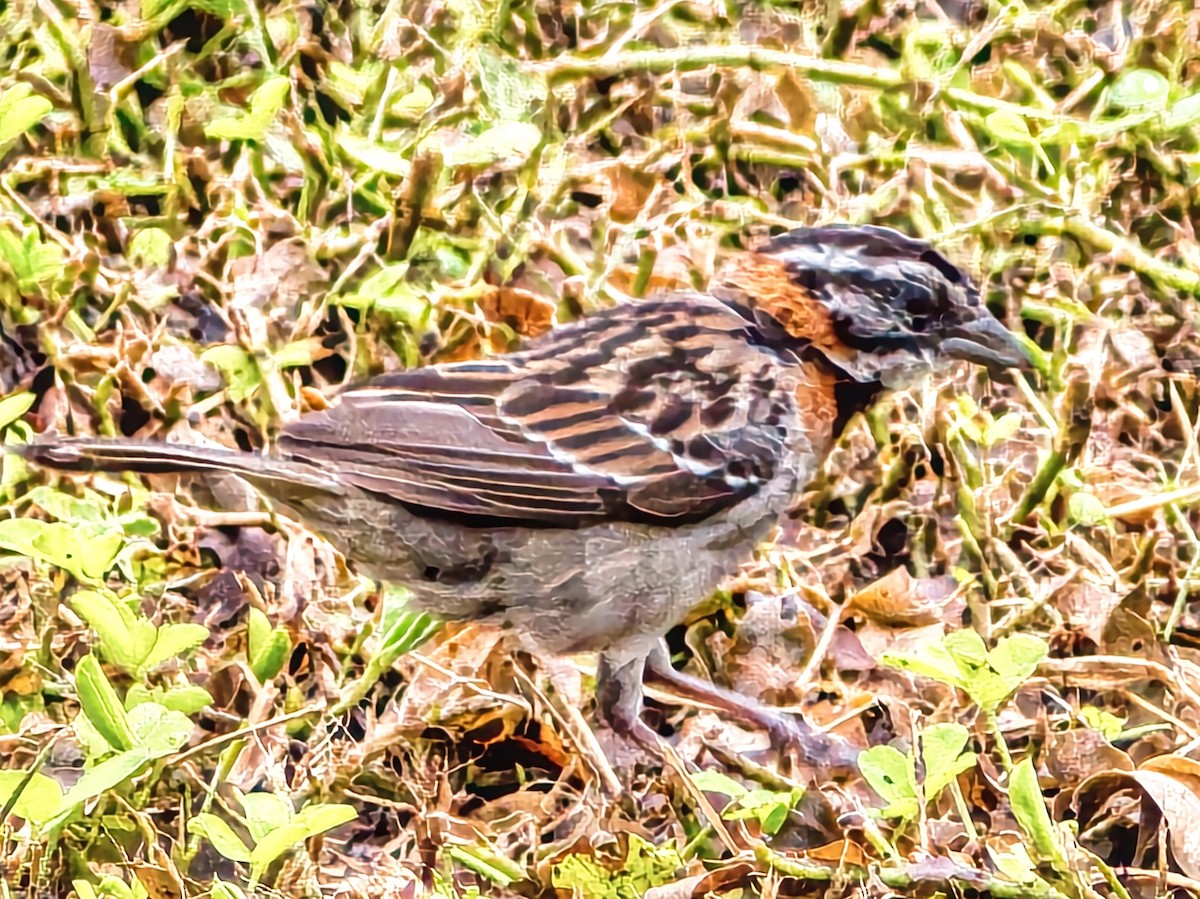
(850, 397)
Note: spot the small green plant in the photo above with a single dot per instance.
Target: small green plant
(266, 647)
(645, 866)
(768, 807)
(961, 659)
(1050, 847)
(979, 426)
(30, 795)
(129, 640)
(892, 773)
(401, 630)
(273, 828)
(1109, 725)
(86, 539)
(1112, 727)
(110, 887)
(119, 740)
(988, 677)
(1083, 506)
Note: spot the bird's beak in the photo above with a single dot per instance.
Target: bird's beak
(984, 341)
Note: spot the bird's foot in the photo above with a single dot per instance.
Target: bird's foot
(791, 735)
(805, 744)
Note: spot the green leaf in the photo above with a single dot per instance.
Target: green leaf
(1029, 808)
(509, 142)
(296, 353)
(645, 866)
(930, 660)
(151, 247)
(41, 797)
(1001, 429)
(1009, 128)
(278, 145)
(20, 111)
(1139, 89)
(84, 889)
(14, 406)
(713, 781)
(137, 524)
(401, 629)
(1109, 725)
(125, 638)
(222, 890)
(1183, 114)
(184, 698)
(110, 773)
(258, 631)
(1016, 865)
(388, 292)
(375, 157)
(988, 678)
(1015, 658)
(309, 822)
(322, 816)
(174, 640)
(113, 887)
(769, 807)
(265, 103)
(890, 773)
(86, 509)
(967, 649)
(222, 9)
(101, 705)
(223, 837)
(187, 699)
(511, 90)
(150, 9)
(267, 648)
(413, 104)
(85, 551)
(1087, 509)
(943, 757)
(772, 816)
(241, 372)
(487, 863)
(34, 262)
(160, 731)
(349, 85)
(453, 254)
(265, 812)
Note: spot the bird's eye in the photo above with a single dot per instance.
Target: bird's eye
(920, 303)
(921, 308)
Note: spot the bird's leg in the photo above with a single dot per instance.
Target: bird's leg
(786, 731)
(619, 696)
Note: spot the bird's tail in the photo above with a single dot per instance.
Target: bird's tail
(88, 454)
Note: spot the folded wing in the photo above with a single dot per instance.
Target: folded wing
(660, 413)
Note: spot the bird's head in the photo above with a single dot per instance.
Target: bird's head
(877, 304)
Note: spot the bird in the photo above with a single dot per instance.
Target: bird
(590, 488)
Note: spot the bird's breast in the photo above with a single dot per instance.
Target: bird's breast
(812, 398)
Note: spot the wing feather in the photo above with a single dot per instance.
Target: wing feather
(649, 413)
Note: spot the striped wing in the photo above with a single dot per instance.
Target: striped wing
(661, 412)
